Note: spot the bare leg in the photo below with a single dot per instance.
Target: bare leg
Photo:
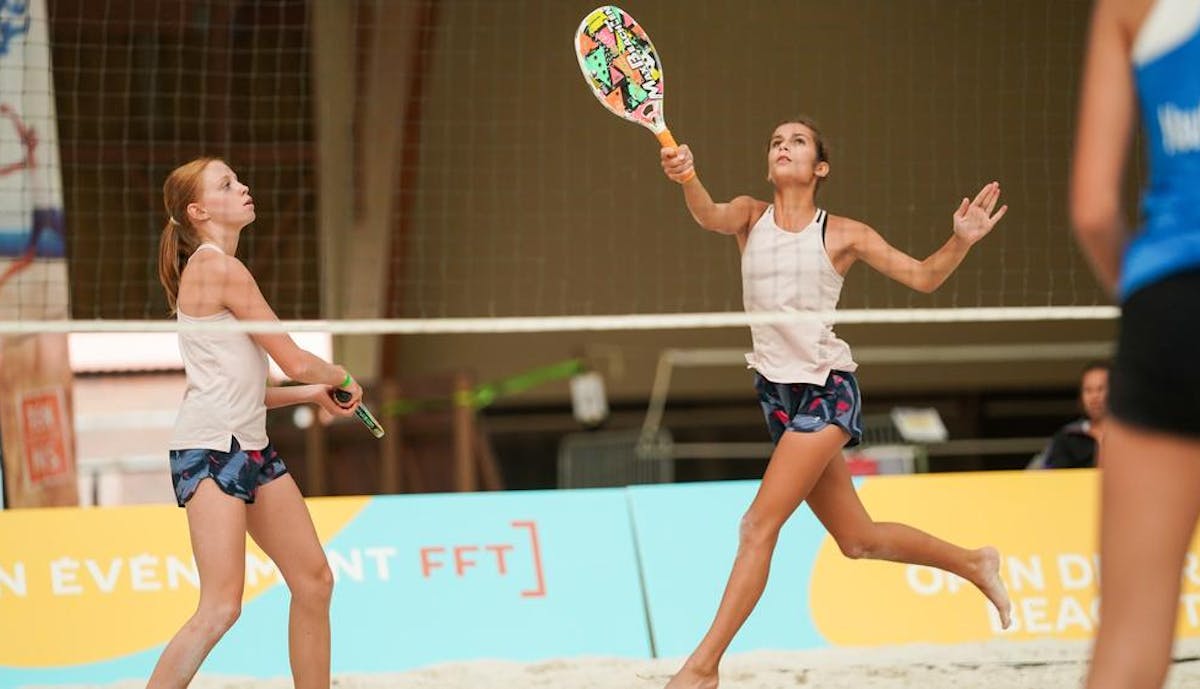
(280, 523)
(218, 527)
(837, 505)
(798, 461)
(1149, 506)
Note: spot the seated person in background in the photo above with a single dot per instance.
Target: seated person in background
(1074, 445)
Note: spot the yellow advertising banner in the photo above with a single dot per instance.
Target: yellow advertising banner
(1044, 524)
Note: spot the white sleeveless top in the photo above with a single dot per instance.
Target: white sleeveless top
(786, 271)
(226, 387)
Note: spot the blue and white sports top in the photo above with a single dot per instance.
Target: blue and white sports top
(1166, 61)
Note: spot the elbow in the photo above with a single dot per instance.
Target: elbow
(714, 225)
(295, 370)
(928, 286)
(926, 282)
(710, 222)
(1092, 218)
(705, 223)
(1089, 224)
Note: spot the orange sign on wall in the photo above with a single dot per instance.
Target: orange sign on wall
(37, 435)
(43, 427)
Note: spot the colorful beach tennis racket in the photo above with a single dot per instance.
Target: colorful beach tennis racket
(622, 68)
(361, 411)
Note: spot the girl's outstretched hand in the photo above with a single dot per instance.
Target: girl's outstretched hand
(974, 219)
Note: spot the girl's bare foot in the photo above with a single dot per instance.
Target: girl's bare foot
(987, 579)
(689, 678)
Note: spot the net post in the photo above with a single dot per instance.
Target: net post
(463, 420)
(390, 454)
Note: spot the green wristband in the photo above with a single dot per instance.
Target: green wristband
(346, 383)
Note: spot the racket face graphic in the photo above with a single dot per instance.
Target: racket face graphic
(621, 66)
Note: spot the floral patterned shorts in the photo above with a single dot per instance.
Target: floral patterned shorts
(237, 472)
(808, 408)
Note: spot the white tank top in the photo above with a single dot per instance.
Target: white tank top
(786, 271)
(226, 387)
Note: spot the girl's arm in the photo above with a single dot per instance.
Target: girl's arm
(1103, 134)
(290, 395)
(733, 217)
(240, 294)
(972, 222)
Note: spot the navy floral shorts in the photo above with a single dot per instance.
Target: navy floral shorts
(237, 472)
(808, 408)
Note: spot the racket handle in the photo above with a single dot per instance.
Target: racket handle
(668, 141)
(363, 414)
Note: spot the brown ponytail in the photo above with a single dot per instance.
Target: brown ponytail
(179, 237)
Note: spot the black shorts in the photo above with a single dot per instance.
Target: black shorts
(1156, 377)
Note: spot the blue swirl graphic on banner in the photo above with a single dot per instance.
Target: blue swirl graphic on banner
(14, 21)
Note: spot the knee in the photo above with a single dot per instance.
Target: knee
(857, 545)
(314, 586)
(757, 530)
(217, 617)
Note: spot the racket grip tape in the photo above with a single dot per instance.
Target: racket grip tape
(363, 414)
(665, 138)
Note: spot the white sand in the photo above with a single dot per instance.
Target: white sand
(996, 665)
